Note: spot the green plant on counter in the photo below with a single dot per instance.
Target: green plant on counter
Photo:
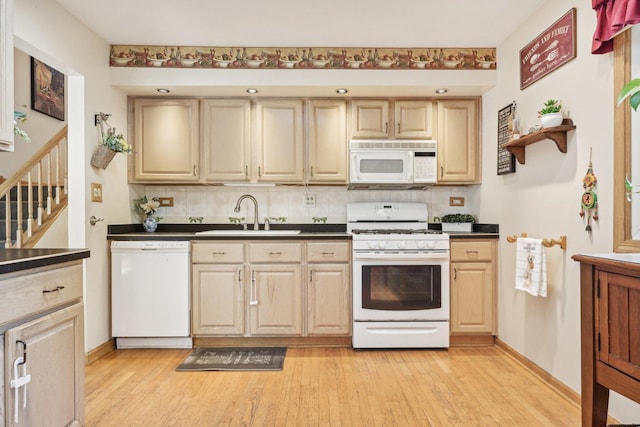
(236, 220)
(458, 218)
(196, 219)
(319, 219)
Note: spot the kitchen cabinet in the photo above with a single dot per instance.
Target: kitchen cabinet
(410, 119)
(327, 150)
(41, 316)
(328, 288)
(458, 141)
(226, 128)
(473, 289)
(610, 331)
(166, 140)
(278, 141)
(218, 294)
(6, 75)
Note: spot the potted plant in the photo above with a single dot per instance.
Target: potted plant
(111, 144)
(551, 113)
(632, 91)
(148, 207)
(457, 222)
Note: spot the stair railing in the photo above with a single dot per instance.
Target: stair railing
(50, 163)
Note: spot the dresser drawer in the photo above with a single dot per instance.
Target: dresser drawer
(217, 253)
(471, 250)
(328, 251)
(275, 252)
(39, 290)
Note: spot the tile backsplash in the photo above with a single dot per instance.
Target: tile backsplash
(215, 203)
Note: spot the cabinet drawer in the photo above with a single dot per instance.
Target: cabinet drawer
(208, 253)
(328, 251)
(275, 252)
(39, 290)
(471, 251)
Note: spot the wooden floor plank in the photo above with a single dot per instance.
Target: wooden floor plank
(462, 386)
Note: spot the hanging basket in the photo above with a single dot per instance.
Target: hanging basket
(102, 157)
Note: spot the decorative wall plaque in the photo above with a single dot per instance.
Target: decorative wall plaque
(506, 160)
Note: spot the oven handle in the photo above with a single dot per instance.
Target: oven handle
(431, 256)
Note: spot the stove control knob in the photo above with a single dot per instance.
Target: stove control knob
(402, 245)
(421, 244)
(382, 244)
(431, 244)
(372, 245)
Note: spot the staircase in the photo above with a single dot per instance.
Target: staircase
(32, 198)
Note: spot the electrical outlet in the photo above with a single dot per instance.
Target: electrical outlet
(456, 201)
(166, 201)
(310, 201)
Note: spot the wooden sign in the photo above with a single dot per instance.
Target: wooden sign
(550, 50)
(506, 160)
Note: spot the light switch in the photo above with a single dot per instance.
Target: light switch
(456, 201)
(166, 201)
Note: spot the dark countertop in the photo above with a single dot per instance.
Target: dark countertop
(308, 232)
(24, 259)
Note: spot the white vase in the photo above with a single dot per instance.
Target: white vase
(150, 224)
(551, 120)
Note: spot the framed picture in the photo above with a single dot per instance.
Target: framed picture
(506, 159)
(553, 48)
(47, 90)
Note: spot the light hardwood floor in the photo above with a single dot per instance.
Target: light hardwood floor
(462, 386)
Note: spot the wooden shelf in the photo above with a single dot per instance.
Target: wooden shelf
(557, 134)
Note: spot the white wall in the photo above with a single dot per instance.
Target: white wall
(543, 197)
(46, 31)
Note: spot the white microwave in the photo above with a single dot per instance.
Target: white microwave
(392, 163)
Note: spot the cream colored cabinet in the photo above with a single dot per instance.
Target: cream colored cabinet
(278, 141)
(473, 286)
(166, 140)
(328, 288)
(327, 141)
(218, 289)
(275, 295)
(458, 143)
(410, 119)
(226, 129)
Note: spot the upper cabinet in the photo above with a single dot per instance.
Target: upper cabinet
(410, 119)
(166, 140)
(226, 131)
(458, 146)
(278, 141)
(6, 75)
(327, 141)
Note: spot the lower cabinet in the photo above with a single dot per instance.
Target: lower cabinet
(473, 287)
(271, 288)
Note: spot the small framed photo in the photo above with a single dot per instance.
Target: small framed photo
(47, 90)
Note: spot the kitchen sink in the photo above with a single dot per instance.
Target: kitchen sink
(248, 232)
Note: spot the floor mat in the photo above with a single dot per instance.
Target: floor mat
(235, 359)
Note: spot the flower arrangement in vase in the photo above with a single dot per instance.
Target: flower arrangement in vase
(551, 113)
(149, 208)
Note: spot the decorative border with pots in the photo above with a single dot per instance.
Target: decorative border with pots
(304, 58)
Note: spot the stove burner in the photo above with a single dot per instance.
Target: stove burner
(394, 231)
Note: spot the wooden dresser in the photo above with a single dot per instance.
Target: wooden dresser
(610, 331)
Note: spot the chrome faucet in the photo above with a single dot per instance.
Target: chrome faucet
(255, 206)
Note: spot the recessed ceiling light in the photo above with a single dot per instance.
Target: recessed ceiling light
(443, 90)
(342, 91)
(252, 90)
(163, 90)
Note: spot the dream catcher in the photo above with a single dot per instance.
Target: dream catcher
(589, 200)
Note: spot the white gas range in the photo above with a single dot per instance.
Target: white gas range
(400, 277)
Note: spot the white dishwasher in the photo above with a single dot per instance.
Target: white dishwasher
(150, 294)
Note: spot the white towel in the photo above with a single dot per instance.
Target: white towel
(531, 267)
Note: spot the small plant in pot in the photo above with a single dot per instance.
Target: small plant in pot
(551, 113)
(457, 222)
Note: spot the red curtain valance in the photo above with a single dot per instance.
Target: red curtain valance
(612, 16)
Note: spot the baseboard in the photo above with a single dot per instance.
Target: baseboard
(334, 341)
(470, 340)
(100, 351)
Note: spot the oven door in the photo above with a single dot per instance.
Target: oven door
(381, 167)
(400, 287)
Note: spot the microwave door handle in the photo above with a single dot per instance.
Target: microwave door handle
(410, 165)
(354, 163)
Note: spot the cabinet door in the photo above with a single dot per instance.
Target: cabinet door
(413, 119)
(619, 322)
(458, 151)
(279, 141)
(328, 301)
(370, 119)
(55, 361)
(472, 299)
(275, 299)
(6, 75)
(166, 140)
(327, 141)
(218, 299)
(226, 125)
